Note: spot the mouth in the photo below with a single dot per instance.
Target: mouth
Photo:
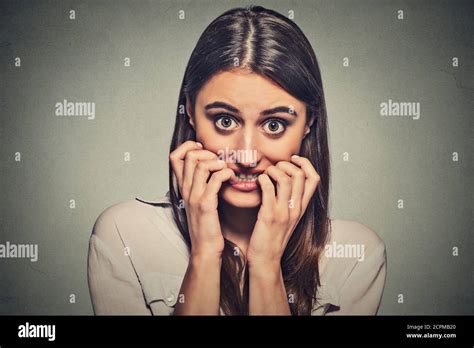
(245, 181)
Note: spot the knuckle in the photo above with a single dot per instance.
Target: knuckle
(306, 160)
(280, 164)
(216, 176)
(190, 155)
(270, 168)
(172, 156)
(314, 180)
(192, 201)
(299, 174)
(201, 166)
(207, 154)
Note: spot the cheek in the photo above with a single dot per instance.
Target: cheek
(282, 149)
(213, 143)
(276, 153)
(206, 135)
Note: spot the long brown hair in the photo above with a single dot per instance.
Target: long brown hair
(265, 42)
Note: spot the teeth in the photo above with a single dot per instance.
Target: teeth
(250, 177)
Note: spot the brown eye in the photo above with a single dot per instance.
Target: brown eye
(225, 123)
(274, 127)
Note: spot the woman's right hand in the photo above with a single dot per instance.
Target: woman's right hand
(192, 167)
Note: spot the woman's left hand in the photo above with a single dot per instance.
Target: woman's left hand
(280, 213)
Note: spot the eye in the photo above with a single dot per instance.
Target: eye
(274, 127)
(225, 122)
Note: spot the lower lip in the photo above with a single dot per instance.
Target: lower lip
(245, 186)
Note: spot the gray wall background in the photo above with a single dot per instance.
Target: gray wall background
(391, 158)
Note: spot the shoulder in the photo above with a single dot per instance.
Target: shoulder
(129, 213)
(354, 232)
(352, 269)
(144, 226)
(136, 249)
(350, 244)
(147, 230)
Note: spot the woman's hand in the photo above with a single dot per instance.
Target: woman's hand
(192, 167)
(279, 214)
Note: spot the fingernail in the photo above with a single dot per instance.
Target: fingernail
(199, 144)
(295, 156)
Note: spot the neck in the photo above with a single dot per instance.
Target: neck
(237, 223)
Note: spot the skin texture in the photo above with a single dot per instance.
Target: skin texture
(260, 222)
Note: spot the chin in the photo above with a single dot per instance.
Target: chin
(239, 198)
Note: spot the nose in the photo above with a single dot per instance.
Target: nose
(247, 145)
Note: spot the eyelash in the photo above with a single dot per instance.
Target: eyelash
(282, 122)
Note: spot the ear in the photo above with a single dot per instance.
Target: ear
(188, 111)
(307, 128)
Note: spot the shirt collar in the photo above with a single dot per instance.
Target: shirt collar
(157, 200)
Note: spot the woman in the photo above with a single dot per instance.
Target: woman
(244, 228)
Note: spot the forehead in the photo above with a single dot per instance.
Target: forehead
(245, 89)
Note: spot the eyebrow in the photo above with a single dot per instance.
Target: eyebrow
(219, 104)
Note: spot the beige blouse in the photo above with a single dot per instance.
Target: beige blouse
(138, 258)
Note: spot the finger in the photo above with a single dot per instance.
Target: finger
(298, 178)
(312, 178)
(268, 191)
(177, 160)
(283, 189)
(191, 159)
(215, 183)
(201, 175)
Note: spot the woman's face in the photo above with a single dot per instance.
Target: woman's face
(234, 119)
